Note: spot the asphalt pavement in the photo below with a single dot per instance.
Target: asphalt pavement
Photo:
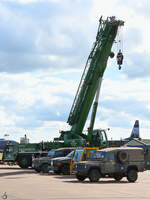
(20, 184)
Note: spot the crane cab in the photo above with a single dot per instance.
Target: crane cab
(99, 137)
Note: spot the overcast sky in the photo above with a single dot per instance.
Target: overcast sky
(44, 45)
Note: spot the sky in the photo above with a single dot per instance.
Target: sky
(44, 45)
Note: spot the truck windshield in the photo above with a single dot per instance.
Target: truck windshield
(70, 155)
(9, 149)
(51, 153)
(77, 155)
(59, 153)
(98, 155)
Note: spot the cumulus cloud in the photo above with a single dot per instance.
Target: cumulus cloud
(44, 47)
(31, 101)
(35, 102)
(41, 35)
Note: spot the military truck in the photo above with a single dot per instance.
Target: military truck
(65, 165)
(42, 164)
(21, 153)
(61, 164)
(112, 162)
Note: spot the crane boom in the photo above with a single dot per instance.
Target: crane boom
(93, 72)
(94, 69)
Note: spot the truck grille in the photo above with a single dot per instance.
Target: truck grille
(80, 166)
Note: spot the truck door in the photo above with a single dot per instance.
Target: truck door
(109, 166)
(76, 158)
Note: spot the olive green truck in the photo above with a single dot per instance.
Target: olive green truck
(112, 163)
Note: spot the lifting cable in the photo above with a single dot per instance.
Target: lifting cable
(119, 39)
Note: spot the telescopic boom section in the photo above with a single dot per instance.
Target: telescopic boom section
(94, 70)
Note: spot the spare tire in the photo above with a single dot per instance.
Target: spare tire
(123, 156)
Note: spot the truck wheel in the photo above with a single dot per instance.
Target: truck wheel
(80, 178)
(94, 175)
(57, 171)
(118, 177)
(65, 170)
(37, 170)
(23, 162)
(45, 168)
(132, 175)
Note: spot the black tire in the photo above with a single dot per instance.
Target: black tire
(45, 168)
(65, 170)
(37, 170)
(94, 175)
(24, 162)
(80, 178)
(57, 171)
(118, 177)
(132, 175)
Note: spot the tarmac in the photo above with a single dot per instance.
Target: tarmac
(20, 184)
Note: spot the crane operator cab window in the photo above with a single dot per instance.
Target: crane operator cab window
(100, 136)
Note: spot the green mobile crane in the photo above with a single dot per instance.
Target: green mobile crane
(89, 87)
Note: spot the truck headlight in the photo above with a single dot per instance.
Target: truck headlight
(75, 166)
(59, 164)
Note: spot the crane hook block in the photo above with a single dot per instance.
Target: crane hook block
(119, 59)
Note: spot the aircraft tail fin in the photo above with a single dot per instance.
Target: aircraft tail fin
(135, 131)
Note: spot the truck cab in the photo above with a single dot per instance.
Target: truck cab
(10, 153)
(99, 138)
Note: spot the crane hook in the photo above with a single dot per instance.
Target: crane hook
(119, 58)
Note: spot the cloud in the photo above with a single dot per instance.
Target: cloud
(41, 36)
(44, 48)
(34, 102)
(138, 65)
(31, 1)
(29, 101)
(139, 7)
